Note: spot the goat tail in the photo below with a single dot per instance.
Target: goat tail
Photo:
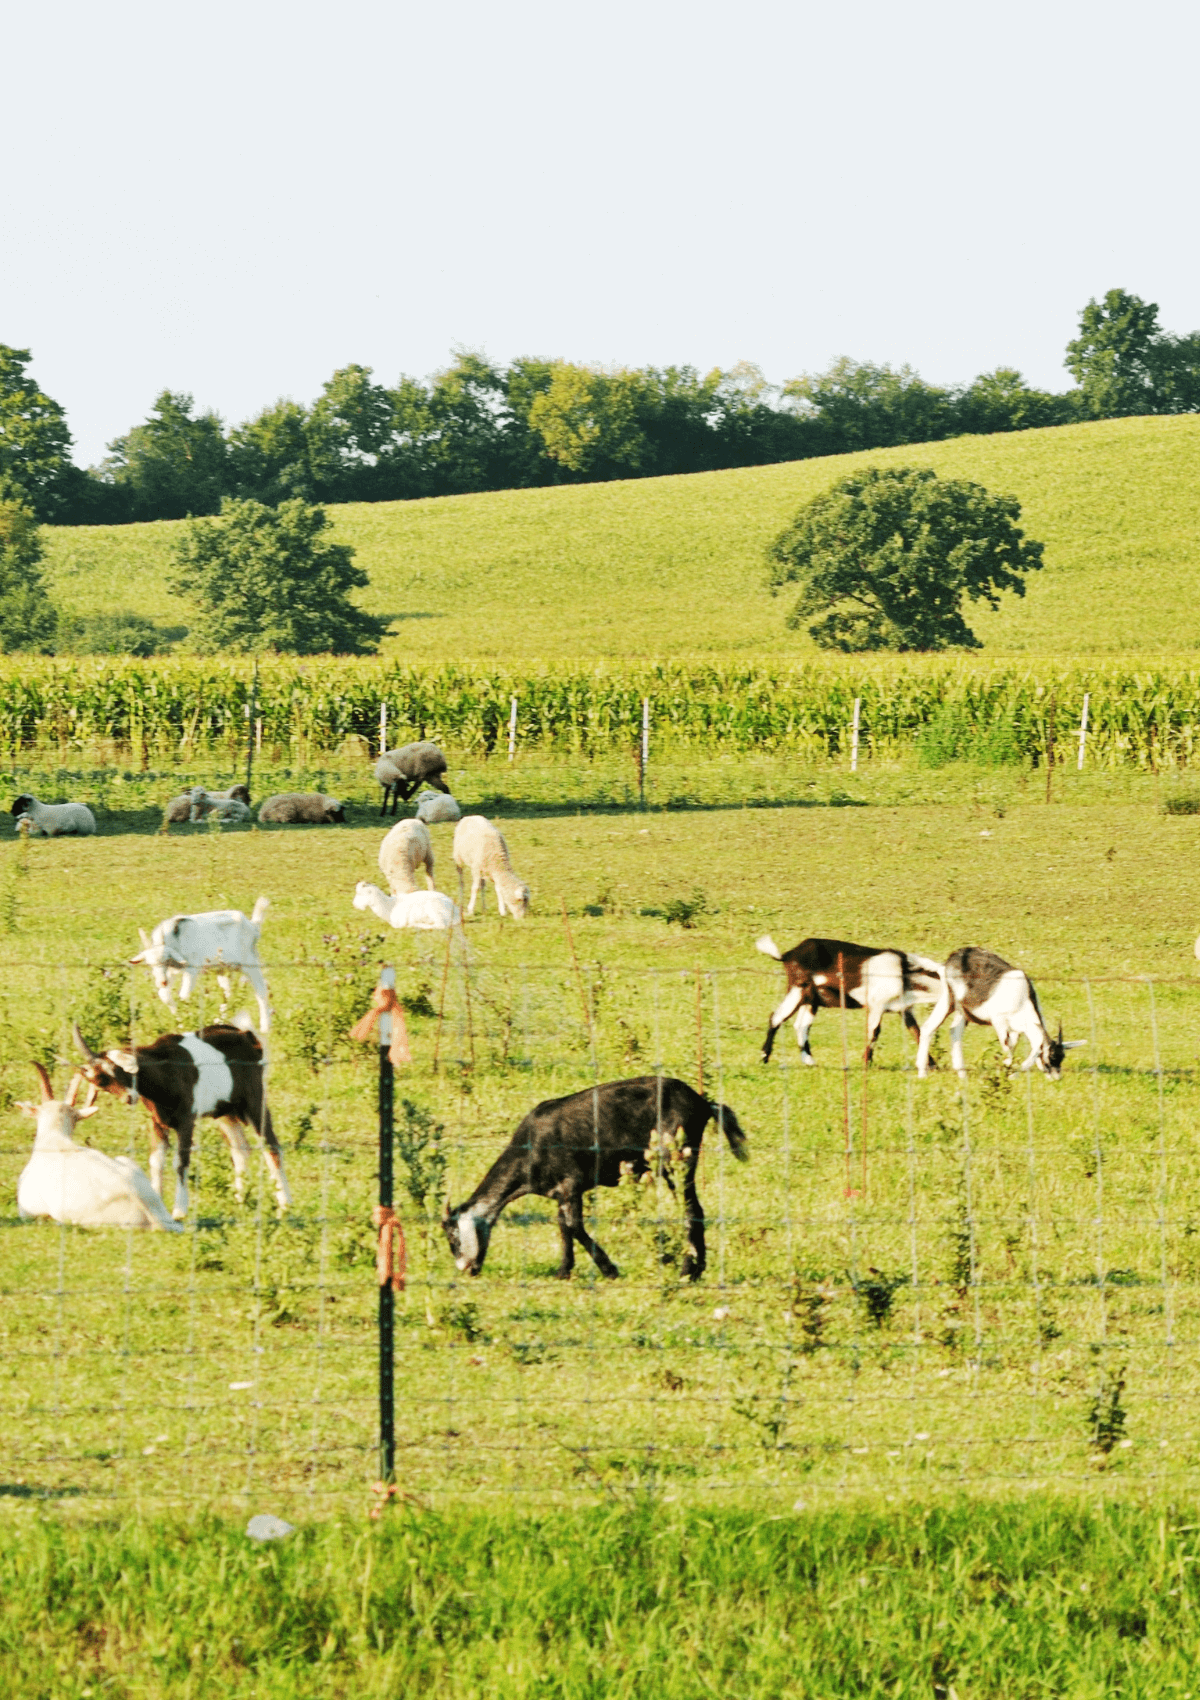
(725, 1118)
(260, 909)
(768, 947)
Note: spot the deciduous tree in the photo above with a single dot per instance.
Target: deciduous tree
(35, 444)
(268, 578)
(885, 558)
(27, 616)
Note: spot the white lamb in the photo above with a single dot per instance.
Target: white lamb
(72, 1183)
(406, 848)
(224, 940)
(180, 808)
(207, 805)
(54, 820)
(432, 808)
(479, 846)
(427, 910)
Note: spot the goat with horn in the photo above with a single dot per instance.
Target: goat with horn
(982, 988)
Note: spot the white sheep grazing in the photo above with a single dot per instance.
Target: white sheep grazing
(406, 848)
(432, 808)
(428, 910)
(224, 940)
(54, 820)
(180, 808)
(302, 808)
(72, 1183)
(479, 846)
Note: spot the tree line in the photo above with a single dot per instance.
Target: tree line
(477, 426)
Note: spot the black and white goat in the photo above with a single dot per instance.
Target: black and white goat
(182, 1077)
(832, 974)
(566, 1146)
(982, 988)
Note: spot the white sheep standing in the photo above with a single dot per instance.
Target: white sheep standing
(406, 848)
(180, 808)
(428, 910)
(54, 820)
(73, 1183)
(302, 808)
(224, 940)
(479, 846)
(432, 808)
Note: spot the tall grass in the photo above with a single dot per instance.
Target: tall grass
(946, 710)
(619, 1602)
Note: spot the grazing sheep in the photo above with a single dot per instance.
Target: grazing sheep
(406, 848)
(72, 1183)
(401, 771)
(180, 808)
(54, 820)
(303, 808)
(430, 910)
(431, 808)
(480, 846)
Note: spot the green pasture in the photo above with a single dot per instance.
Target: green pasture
(622, 1601)
(660, 567)
(1008, 1302)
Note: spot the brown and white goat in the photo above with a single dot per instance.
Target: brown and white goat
(980, 987)
(182, 1077)
(832, 974)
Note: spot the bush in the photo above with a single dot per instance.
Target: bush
(122, 633)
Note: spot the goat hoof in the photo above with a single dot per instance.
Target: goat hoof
(179, 1215)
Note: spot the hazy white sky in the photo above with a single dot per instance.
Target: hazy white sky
(234, 199)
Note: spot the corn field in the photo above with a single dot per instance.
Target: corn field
(942, 709)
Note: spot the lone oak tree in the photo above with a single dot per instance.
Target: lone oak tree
(886, 556)
(265, 578)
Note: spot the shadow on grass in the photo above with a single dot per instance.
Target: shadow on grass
(524, 808)
(19, 1490)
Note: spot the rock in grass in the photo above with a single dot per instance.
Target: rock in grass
(266, 1527)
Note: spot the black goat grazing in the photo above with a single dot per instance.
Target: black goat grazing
(567, 1146)
(401, 771)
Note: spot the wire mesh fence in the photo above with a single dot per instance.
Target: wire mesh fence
(912, 1285)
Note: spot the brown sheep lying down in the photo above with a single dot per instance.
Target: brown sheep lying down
(300, 808)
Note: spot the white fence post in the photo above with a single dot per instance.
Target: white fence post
(645, 746)
(383, 728)
(512, 730)
(854, 736)
(1083, 727)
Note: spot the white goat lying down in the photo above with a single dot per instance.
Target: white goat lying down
(432, 808)
(480, 847)
(982, 988)
(430, 910)
(54, 820)
(73, 1183)
(406, 848)
(223, 940)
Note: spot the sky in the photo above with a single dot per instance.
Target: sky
(236, 199)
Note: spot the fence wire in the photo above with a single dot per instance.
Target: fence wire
(912, 1285)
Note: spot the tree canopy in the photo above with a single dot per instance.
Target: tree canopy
(35, 444)
(266, 578)
(173, 465)
(27, 617)
(885, 557)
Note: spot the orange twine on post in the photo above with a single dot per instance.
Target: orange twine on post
(386, 1002)
(391, 1254)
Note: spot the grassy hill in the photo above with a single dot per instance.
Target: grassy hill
(670, 565)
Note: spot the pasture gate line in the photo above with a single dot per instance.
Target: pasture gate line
(913, 1286)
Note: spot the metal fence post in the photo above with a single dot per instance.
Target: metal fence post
(387, 1298)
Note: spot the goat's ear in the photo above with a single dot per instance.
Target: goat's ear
(1072, 1044)
(25, 1108)
(123, 1059)
(84, 1111)
(134, 960)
